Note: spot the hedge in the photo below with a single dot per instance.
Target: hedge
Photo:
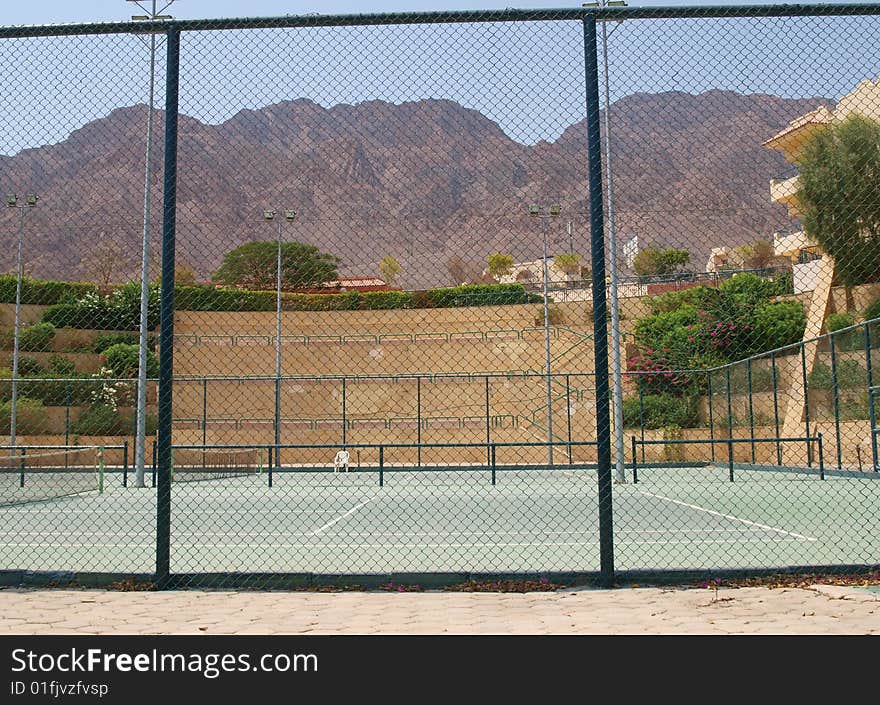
(36, 291)
(209, 298)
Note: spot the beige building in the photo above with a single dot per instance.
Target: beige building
(797, 245)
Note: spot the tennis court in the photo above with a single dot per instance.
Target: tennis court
(431, 519)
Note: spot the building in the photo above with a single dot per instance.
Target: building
(796, 245)
(344, 284)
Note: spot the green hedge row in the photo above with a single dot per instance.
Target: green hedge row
(35, 291)
(209, 298)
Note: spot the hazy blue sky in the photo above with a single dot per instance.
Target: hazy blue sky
(52, 11)
(526, 76)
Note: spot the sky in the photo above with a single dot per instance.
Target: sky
(15, 12)
(528, 77)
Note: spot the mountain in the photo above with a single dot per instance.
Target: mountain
(423, 181)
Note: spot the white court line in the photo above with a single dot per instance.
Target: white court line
(729, 516)
(342, 516)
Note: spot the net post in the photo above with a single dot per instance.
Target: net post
(821, 457)
(344, 413)
(66, 417)
(642, 415)
(271, 467)
(21, 468)
(125, 463)
(730, 458)
(154, 464)
(492, 451)
(635, 461)
(381, 466)
(101, 470)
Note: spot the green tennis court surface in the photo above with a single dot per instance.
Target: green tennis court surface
(449, 519)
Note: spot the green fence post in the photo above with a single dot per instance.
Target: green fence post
(21, 468)
(492, 460)
(344, 413)
(568, 414)
(636, 461)
(835, 397)
(806, 407)
(642, 417)
(821, 458)
(872, 412)
(711, 414)
(751, 408)
(730, 458)
(776, 408)
(166, 326)
(600, 309)
(381, 466)
(488, 432)
(419, 418)
(66, 418)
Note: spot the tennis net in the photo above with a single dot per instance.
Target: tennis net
(218, 464)
(30, 475)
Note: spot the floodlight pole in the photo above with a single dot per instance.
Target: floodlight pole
(269, 216)
(536, 212)
(12, 202)
(141, 416)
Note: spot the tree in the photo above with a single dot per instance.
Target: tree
(759, 255)
(655, 261)
(839, 196)
(104, 261)
(389, 268)
(254, 265)
(569, 263)
(500, 264)
(463, 272)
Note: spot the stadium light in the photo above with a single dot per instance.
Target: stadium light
(616, 376)
(12, 202)
(269, 216)
(153, 13)
(536, 211)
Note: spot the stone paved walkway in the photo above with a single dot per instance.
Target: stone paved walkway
(820, 609)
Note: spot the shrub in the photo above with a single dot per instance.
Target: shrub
(848, 340)
(123, 360)
(30, 416)
(102, 342)
(849, 374)
(660, 411)
(37, 337)
(777, 324)
(873, 311)
(836, 321)
(61, 366)
(29, 366)
(119, 311)
(101, 420)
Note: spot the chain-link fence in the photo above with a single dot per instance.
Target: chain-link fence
(585, 292)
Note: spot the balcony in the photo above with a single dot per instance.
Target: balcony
(784, 190)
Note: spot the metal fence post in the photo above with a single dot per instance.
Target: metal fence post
(836, 398)
(166, 327)
(872, 412)
(600, 325)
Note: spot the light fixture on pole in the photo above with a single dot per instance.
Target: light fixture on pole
(616, 376)
(140, 433)
(269, 216)
(536, 211)
(12, 202)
